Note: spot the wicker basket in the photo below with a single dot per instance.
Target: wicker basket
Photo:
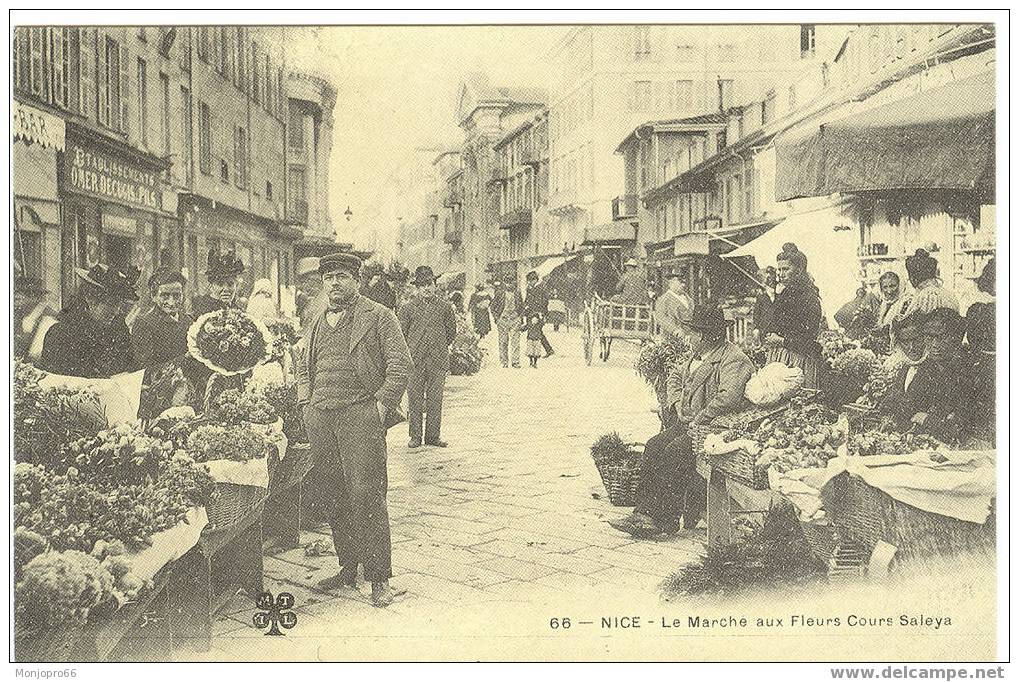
(738, 465)
(866, 515)
(620, 473)
(232, 503)
(821, 538)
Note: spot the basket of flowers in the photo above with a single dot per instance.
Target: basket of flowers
(230, 342)
(619, 464)
(237, 460)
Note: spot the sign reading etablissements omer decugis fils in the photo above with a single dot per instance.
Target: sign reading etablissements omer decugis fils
(98, 173)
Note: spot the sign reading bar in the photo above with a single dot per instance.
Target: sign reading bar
(101, 174)
(35, 126)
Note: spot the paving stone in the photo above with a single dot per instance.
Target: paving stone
(517, 569)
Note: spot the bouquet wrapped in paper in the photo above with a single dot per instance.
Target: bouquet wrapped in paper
(229, 342)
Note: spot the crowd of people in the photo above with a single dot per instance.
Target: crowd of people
(944, 383)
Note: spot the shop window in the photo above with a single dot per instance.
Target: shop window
(117, 251)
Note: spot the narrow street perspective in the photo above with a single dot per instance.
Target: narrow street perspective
(511, 513)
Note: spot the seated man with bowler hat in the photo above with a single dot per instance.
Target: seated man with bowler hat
(224, 274)
(429, 325)
(711, 383)
(350, 386)
(91, 338)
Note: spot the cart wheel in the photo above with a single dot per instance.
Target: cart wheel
(588, 335)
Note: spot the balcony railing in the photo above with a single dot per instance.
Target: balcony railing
(297, 211)
(498, 174)
(516, 218)
(624, 206)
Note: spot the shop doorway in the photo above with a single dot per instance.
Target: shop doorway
(118, 251)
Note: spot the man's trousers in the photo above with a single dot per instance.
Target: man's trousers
(348, 447)
(424, 395)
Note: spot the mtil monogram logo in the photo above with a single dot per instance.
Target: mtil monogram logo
(275, 613)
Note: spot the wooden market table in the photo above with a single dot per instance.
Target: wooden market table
(727, 499)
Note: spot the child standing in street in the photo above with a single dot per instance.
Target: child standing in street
(534, 347)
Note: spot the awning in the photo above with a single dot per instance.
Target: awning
(550, 264)
(830, 249)
(616, 232)
(942, 138)
(36, 126)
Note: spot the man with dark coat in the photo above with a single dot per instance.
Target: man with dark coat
(224, 274)
(429, 325)
(536, 303)
(160, 337)
(710, 384)
(91, 338)
(356, 372)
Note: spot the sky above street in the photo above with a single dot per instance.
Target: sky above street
(397, 90)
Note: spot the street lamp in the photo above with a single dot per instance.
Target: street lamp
(348, 213)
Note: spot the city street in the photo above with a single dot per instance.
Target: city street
(512, 513)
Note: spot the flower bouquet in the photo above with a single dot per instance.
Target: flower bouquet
(284, 333)
(232, 407)
(229, 342)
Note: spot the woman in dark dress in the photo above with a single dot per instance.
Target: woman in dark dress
(792, 336)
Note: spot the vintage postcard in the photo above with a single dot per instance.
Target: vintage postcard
(641, 341)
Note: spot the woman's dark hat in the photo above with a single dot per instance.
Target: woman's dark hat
(114, 283)
(708, 319)
(223, 265)
(423, 275)
(341, 260)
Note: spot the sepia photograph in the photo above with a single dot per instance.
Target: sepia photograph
(656, 338)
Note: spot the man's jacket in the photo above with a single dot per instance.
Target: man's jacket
(714, 388)
(429, 326)
(377, 347)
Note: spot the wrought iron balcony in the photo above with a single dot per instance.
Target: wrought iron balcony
(515, 219)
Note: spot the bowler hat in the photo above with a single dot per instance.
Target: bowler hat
(708, 319)
(423, 275)
(223, 265)
(307, 265)
(340, 260)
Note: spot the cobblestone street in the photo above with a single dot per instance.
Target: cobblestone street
(500, 531)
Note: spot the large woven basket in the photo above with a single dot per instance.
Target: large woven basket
(866, 515)
(738, 465)
(232, 503)
(620, 473)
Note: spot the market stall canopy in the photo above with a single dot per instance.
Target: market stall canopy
(829, 245)
(616, 232)
(453, 279)
(36, 126)
(550, 264)
(942, 138)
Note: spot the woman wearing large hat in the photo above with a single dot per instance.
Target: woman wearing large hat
(91, 338)
(224, 274)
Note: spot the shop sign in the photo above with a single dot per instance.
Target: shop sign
(100, 174)
(36, 126)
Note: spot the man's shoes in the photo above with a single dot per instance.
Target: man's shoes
(414, 443)
(636, 524)
(383, 594)
(437, 443)
(550, 353)
(344, 579)
(516, 365)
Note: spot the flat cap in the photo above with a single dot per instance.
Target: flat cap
(341, 260)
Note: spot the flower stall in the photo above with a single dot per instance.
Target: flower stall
(124, 523)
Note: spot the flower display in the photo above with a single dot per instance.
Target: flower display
(833, 344)
(284, 333)
(657, 358)
(211, 442)
(229, 342)
(121, 454)
(233, 407)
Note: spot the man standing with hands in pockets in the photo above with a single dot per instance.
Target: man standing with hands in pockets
(356, 372)
(429, 325)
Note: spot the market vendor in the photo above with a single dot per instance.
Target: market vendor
(161, 334)
(928, 396)
(224, 275)
(350, 388)
(674, 307)
(712, 383)
(91, 338)
(792, 337)
(930, 292)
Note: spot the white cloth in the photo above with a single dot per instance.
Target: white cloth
(254, 472)
(119, 395)
(169, 544)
